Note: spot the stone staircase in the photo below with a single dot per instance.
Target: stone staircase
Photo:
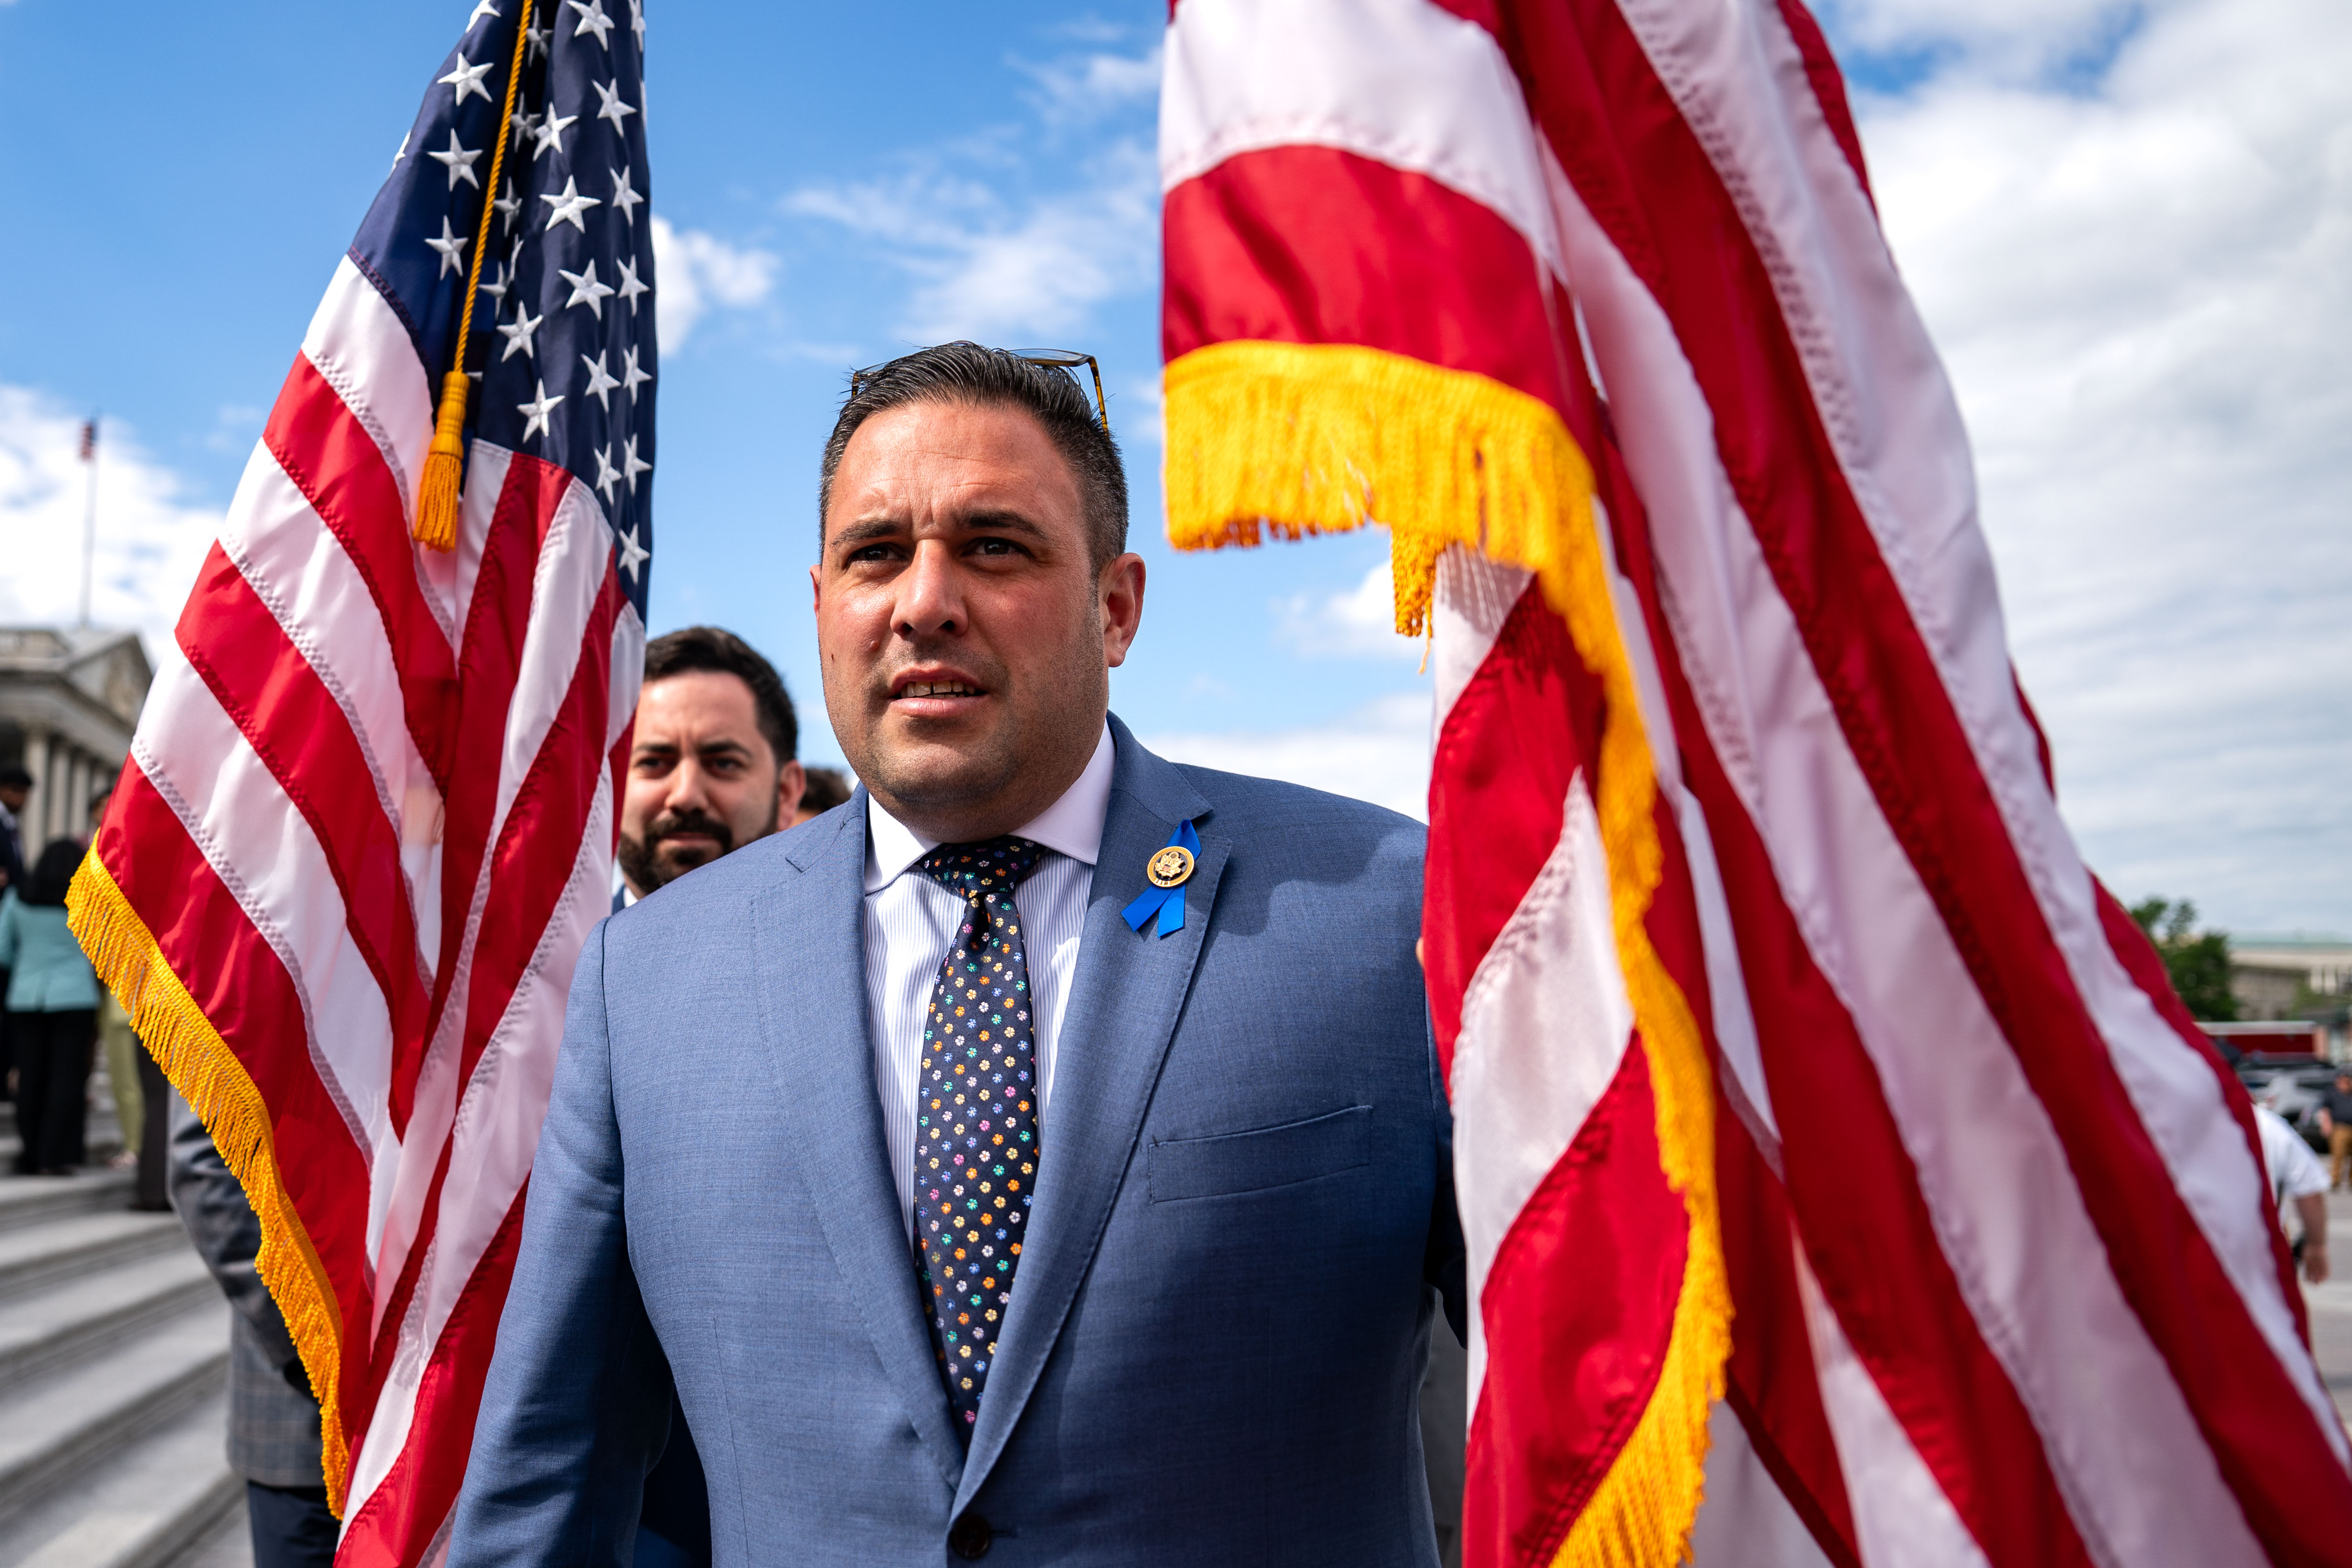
(113, 1368)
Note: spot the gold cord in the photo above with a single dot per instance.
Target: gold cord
(445, 465)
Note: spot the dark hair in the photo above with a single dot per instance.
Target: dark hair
(966, 373)
(712, 648)
(47, 882)
(14, 777)
(827, 788)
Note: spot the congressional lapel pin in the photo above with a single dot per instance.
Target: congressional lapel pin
(1167, 870)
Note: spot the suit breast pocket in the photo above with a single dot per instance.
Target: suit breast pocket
(1260, 1158)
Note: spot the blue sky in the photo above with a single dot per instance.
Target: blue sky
(2129, 225)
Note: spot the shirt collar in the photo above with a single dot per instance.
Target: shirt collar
(1072, 826)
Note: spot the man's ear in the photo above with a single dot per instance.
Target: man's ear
(1120, 591)
(791, 783)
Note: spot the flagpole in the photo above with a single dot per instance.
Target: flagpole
(89, 512)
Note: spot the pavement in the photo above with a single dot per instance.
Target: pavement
(2330, 1307)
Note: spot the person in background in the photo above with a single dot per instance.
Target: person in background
(711, 765)
(711, 768)
(2335, 1120)
(52, 1014)
(15, 788)
(273, 1421)
(827, 788)
(2296, 1178)
(135, 1080)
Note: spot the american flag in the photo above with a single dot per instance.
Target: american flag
(1818, 1112)
(369, 815)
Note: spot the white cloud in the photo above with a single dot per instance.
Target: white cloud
(696, 271)
(1078, 88)
(1380, 753)
(2017, 39)
(2144, 293)
(1358, 622)
(149, 540)
(1001, 272)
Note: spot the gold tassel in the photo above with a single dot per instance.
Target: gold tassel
(439, 487)
(444, 469)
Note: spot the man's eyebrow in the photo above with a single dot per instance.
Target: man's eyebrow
(1002, 522)
(872, 528)
(727, 744)
(851, 534)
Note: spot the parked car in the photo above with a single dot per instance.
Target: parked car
(2291, 1083)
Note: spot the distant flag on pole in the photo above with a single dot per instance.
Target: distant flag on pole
(89, 440)
(368, 818)
(1829, 1142)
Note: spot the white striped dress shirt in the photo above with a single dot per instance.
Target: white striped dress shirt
(910, 919)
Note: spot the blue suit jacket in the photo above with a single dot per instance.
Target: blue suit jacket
(1223, 1309)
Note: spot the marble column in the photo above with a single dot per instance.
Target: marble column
(33, 821)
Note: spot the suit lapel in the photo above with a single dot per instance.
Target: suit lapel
(812, 929)
(1124, 1001)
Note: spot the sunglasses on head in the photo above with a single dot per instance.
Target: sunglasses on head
(1053, 359)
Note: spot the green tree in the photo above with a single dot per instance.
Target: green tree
(2198, 963)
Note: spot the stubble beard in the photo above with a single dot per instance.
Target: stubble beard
(647, 869)
(916, 778)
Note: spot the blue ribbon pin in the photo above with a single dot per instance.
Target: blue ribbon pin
(1167, 870)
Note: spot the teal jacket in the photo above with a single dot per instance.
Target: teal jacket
(47, 971)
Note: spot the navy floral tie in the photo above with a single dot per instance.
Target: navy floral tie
(976, 1117)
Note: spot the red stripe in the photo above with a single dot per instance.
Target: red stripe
(293, 723)
(496, 624)
(1898, 721)
(1310, 244)
(243, 990)
(2146, 966)
(401, 1517)
(539, 841)
(1579, 1310)
(1498, 788)
(1772, 1381)
(336, 465)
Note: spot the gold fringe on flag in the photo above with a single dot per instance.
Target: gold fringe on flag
(201, 1066)
(1322, 438)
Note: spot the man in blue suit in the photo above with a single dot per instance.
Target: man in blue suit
(1042, 1156)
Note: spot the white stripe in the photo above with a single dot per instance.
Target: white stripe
(1473, 597)
(1997, 1181)
(358, 344)
(1901, 1517)
(298, 568)
(267, 857)
(1402, 82)
(491, 1145)
(448, 575)
(1545, 1024)
(628, 673)
(1745, 1520)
